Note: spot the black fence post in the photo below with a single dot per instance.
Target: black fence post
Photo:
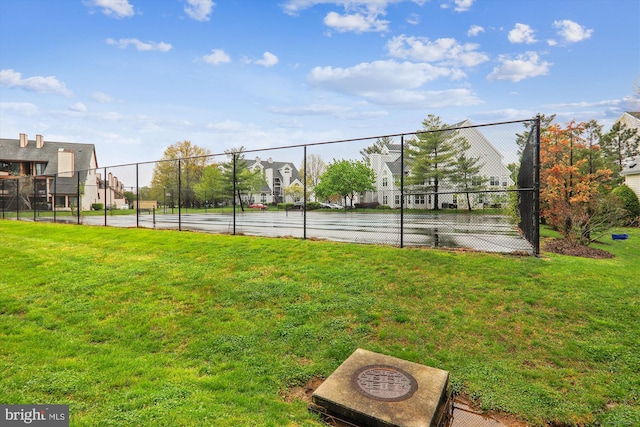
(55, 196)
(401, 191)
(536, 190)
(304, 195)
(233, 159)
(179, 195)
(18, 199)
(106, 205)
(78, 195)
(35, 200)
(138, 202)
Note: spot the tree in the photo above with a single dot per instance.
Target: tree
(465, 174)
(574, 184)
(630, 204)
(296, 191)
(376, 147)
(620, 144)
(211, 185)
(192, 160)
(315, 167)
(346, 178)
(431, 155)
(236, 175)
(545, 123)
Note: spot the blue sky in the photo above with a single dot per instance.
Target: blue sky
(135, 76)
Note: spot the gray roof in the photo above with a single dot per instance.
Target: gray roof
(10, 151)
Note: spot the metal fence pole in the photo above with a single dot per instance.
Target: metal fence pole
(55, 196)
(304, 195)
(106, 206)
(78, 195)
(536, 186)
(233, 158)
(35, 203)
(18, 199)
(138, 202)
(401, 191)
(179, 195)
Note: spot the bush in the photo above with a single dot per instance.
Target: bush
(285, 206)
(97, 206)
(630, 203)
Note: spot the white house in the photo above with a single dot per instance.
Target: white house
(631, 174)
(278, 176)
(387, 164)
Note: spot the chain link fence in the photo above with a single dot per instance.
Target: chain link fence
(464, 186)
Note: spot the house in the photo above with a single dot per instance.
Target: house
(278, 176)
(44, 174)
(631, 174)
(631, 119)
(387, 167)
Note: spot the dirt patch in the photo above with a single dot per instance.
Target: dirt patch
(565, 247)
(302, 392)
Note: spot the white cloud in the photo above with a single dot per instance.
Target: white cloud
(474, 30)
(115, 8)
(445, 51)
(413, 19)
(357, 23)
(139, 45)
(78, 107)
(522, 33)
(463, 5)
(572, 32)
(378, 76)
(200, 10)
(522, 67)
(217, 56)
(426, 99)
(40, 84)
(101, 97)
(312, 110)
(292, 7)
(268, 60)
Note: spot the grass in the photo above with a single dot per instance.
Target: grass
(143, 327)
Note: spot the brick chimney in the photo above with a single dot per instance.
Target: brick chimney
(39, 141)
(23, 140)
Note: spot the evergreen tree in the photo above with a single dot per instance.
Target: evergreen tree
(432, 155)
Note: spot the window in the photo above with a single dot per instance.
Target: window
(385, 200)
(494, 181)
(504, 181)
(384, 182)
(276, 186)
(40, 167)
(397, 200)
(263, 197)
(419, 199)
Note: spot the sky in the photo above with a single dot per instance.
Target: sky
(135, 76)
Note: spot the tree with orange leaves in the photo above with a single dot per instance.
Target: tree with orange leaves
(574, 182)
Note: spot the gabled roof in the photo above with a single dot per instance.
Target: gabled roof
(11, 151)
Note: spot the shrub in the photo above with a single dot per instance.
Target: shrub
(97, 206)
(630, 203)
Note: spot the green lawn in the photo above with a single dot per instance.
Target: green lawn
(140, 327)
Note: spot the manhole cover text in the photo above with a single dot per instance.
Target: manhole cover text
(385, 383)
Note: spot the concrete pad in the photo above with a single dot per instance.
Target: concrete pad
(374, 390)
